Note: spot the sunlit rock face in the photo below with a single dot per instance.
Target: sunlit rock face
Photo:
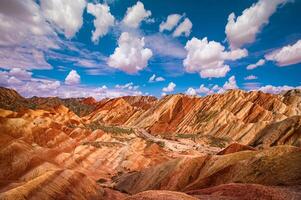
(146, 148)
(244, 117)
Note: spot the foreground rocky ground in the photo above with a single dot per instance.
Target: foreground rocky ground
(232, 146)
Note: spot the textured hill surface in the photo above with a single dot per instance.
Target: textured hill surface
(144, 148)
(51, 154)
(120, 110)
(276, 166)
(249, 118)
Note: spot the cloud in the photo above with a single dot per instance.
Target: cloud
(72, 78)
(207, 58)
(171, 86)
(155, 78)
(230, 84)
(253, 66)
(48, 85)
(14, 76)
(103, 19)
(129, 86)
(14, 81)
(203, 90)
(21, 57)
(234, 54)
(252, 85)
(170, 23)
(66, 16)
(243, 29)
(22, 21)
(43, 87)
(287, 55)
(20, 73)
(184, 28)
(130, 55)
(165, 46)
(276, 89)
(25, 35)
(191, 91)
(251, 77)
(25, 84)
(135, 15)
(94, 62)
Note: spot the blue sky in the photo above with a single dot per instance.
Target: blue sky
(47, 49)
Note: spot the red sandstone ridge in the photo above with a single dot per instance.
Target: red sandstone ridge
(244, 117)
(120, 110)
(89, 101)
(236, 145)
(275, 166)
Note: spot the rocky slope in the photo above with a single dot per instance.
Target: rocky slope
(120, 110)
(51, 154)
(244, 117)
(145, 148)
(276, 166)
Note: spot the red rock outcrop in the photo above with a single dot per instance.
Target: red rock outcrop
(247, 192)
(275, 166)
(235, 147)
(53, 154)
(120, 110)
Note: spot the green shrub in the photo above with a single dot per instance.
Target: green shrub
(161, 144)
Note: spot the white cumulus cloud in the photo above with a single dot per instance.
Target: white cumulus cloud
(72, 78)
(287, 55)
(135, 15)
(171, 21)
(203, 89)
(276, 89)
(243, 29)
(66, 15)
(103, 19)
(171, 87)
(130, 55)
(184, 28)
(230, 84)
(253, 66)
(207, 57)
(191, 91)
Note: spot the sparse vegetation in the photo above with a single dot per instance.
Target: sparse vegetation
(216, 141)
(205, 116)
(187, 136)
(99, 144)
(211, 140)
(101, 180)
(150, 142)
(109, 129)
(161, 144)
(78, 107)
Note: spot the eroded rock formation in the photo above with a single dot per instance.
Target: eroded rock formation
(144, 148)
